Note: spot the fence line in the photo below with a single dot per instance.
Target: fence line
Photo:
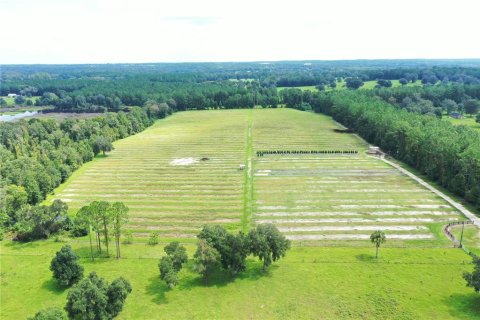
(261, 153)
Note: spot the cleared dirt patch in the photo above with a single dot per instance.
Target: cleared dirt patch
(351, 228)
(349, 220)
(356, 236)
(430, 206)
(312, 213)
(369, 206)
(183, 161)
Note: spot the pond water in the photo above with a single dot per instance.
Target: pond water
(11, 117)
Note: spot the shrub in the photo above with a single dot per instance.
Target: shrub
(92, 298)
(153, 240)
(128, 237)
(168, 273)
(66, 270)
(54, 313)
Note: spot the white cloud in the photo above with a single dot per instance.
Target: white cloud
(90, 31)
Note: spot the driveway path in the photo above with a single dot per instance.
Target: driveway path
(456, 205)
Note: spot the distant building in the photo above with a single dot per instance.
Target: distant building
(376, 151)
(373, 150)
(456, 115)
(12, 95)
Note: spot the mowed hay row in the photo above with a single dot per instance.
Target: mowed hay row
(336, 197)
(163, 196)
(286, 129)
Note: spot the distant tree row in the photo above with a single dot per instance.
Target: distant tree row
(434, 100)
(87, 95)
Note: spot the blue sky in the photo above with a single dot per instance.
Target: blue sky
(109, 31)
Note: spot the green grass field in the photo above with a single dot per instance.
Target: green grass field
(310, 283)
(304, 88)
(469, 122)
(341, 86)
(327, 204)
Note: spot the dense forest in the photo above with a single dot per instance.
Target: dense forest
(38, 155)
(99, 88)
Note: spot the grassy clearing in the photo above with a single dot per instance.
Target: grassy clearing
(337, 283)
(471, 237)
(303, 88)
(469, 122)
(60, 116)
(341, 85)
(11, 101)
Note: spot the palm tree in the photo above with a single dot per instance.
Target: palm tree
(378, 237)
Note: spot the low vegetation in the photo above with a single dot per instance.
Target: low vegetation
(65, 267)
(377, 238)
(308, 281)
(93, 298)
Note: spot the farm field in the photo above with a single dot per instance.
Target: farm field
(316, 198)
(311, 282)
(152, 174)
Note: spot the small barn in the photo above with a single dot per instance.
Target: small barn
(12, 95)
(373, 150)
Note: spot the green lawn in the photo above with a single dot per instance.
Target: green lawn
(471, 237)
(311, 282)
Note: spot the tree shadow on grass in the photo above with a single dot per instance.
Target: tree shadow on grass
(157, 289)
(366, 257)
(221, 278)
(85, 254)
(53, 286)
(464, 306)
(19, 245)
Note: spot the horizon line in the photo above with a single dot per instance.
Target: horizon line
(247, 61)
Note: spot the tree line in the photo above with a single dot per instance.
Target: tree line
(37, 155)
(87, 95)
(434, 100)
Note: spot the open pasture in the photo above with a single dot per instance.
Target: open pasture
(183, 172)
(467, 121)
(310, 283)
